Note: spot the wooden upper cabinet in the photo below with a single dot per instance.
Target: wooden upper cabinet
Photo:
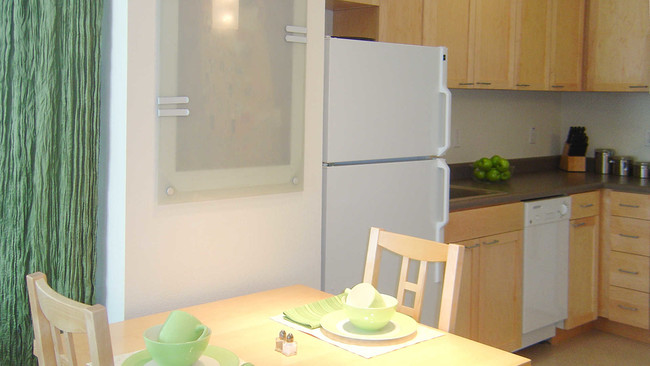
(532, 44)
(567, 39)
(447, 23)
(617, 45)
(494, 43)
(400, 21)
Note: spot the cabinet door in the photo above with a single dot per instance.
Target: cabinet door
(447, 23)
(567, 39)
(617, 46)
(466, 317)
(532, 44)
(494, 44)
(500, 290)
(400, 21)
(583, 271)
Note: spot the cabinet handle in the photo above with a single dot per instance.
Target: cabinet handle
(580, 224)
(587, 205)
(473, 246)
(637, 86)
(557, 86)
(523, 84)
(629, 236)
(483, 83)
(628, 307)
(465, 84)
(628, 272)
(495, 241)
(630, 206)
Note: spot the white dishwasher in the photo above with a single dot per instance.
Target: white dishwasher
(545, 267)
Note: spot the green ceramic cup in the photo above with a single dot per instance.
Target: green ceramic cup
(175, 354)
(371, 318)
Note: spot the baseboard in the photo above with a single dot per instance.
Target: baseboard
(564, 334)
(623, 330)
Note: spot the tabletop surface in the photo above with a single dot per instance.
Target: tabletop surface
(243, 326)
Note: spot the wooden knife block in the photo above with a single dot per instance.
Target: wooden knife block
(572, 163)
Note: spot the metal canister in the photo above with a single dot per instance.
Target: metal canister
(641, 169)
(603, 160)
(622, 165)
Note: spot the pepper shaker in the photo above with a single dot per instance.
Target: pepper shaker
(280, 340)
(290, 346)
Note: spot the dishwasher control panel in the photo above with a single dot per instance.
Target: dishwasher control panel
(547, 210)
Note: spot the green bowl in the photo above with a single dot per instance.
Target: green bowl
(175, 354)
(371, 318)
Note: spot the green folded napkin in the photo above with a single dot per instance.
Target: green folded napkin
(309, 315)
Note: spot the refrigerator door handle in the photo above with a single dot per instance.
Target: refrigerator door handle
(446, 119)
(443, 190)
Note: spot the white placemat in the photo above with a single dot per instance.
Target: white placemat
(423, 333)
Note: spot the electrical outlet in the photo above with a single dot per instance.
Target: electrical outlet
(532, 136)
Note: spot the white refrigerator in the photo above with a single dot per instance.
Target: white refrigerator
(386, 126)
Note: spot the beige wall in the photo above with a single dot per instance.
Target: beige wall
(183, 254)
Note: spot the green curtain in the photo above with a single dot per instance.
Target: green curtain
(49, 149)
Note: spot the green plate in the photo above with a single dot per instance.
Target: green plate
(400, 326)
(221, 355)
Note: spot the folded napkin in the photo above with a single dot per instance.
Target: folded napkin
(309, 315)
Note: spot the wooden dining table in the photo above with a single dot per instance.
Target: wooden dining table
(244, 326)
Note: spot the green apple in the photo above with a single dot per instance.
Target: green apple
(485, 164)
(479, 174)
(493, 175)
(503, 165)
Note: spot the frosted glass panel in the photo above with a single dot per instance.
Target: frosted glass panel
(230, 98)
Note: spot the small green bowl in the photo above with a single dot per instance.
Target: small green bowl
(371, 318)
(175, 354)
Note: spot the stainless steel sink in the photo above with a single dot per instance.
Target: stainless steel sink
(457, 192)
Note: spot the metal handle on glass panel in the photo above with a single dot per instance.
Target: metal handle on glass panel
(628, 272)
(301, 38)
(173, 112)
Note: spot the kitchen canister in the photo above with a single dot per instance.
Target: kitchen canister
(603, 160)
(621, 165)
(641, 169)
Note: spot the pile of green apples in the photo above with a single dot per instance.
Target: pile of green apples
(494, 169)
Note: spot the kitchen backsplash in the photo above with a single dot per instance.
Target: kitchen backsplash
(488, 122)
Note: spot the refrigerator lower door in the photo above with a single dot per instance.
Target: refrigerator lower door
(408, 197)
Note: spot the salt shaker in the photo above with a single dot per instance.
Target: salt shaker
(290, 346)
(280, 340)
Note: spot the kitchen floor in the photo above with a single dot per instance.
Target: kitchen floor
(594, 348)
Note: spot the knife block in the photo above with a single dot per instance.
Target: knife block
(572, 163)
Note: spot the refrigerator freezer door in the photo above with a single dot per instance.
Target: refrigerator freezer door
(384, 101)
(406, 197)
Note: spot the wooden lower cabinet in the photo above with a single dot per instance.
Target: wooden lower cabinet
(491, 286)
(625, 292)
(583, 259)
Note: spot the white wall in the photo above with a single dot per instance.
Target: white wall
(184, 254)
(613, 120)
(498, 122)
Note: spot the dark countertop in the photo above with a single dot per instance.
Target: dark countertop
(528, 185)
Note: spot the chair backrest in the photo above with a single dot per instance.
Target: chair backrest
(55, 319)
(424, 251)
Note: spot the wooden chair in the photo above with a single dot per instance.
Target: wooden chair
(55, 319)
(424, 251)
